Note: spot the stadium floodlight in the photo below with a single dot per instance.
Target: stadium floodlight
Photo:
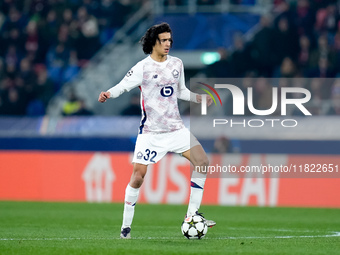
(209, 58)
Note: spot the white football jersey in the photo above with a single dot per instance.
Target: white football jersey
(160, 83)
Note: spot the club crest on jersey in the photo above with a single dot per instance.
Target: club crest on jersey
(139, 155)
(155, 76)
(175, 73)
(129, 73)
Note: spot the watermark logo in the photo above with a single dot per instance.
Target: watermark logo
(209, 93)
(281, 98)
(239, 100)
(204, 97)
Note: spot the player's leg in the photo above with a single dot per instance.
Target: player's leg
(131, 197)
(197, 156)
(149, 149)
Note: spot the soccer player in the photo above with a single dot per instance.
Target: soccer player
(160, 78)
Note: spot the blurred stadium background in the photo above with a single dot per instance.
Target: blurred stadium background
(57, 143)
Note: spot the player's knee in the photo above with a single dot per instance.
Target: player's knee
(137, 178)
(204, 161)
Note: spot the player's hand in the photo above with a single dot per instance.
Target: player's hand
(209, 99)
(104, 96)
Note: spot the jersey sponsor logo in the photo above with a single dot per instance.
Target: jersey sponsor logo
(129, 73)
(167, 91)
(170, 84)
(175, 73)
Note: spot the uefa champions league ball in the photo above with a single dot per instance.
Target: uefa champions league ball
(194, 227)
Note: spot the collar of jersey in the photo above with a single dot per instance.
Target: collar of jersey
(160, 63)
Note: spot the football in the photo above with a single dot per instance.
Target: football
(194, 227)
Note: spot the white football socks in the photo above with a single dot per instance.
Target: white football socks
(131, 197)
(196, 193)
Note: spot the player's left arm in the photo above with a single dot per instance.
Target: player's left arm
(199, 99)
(185, 94)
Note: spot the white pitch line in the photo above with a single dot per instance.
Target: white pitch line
(54, 239)
(335, 234)
(274, 229)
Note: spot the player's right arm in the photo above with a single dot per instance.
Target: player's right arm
(132, 79)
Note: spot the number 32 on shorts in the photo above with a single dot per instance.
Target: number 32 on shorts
(150, 155)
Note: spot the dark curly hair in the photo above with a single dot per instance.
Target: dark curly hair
(151, 35)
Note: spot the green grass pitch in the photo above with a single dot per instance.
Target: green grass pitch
(91, 228)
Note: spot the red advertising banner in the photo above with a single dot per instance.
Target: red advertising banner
(102, 177)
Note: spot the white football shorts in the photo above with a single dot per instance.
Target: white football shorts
(150, 148)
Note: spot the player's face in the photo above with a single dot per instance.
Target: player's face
(162, 45)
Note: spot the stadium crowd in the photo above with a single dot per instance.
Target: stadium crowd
(44, 43)
(301, 41)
